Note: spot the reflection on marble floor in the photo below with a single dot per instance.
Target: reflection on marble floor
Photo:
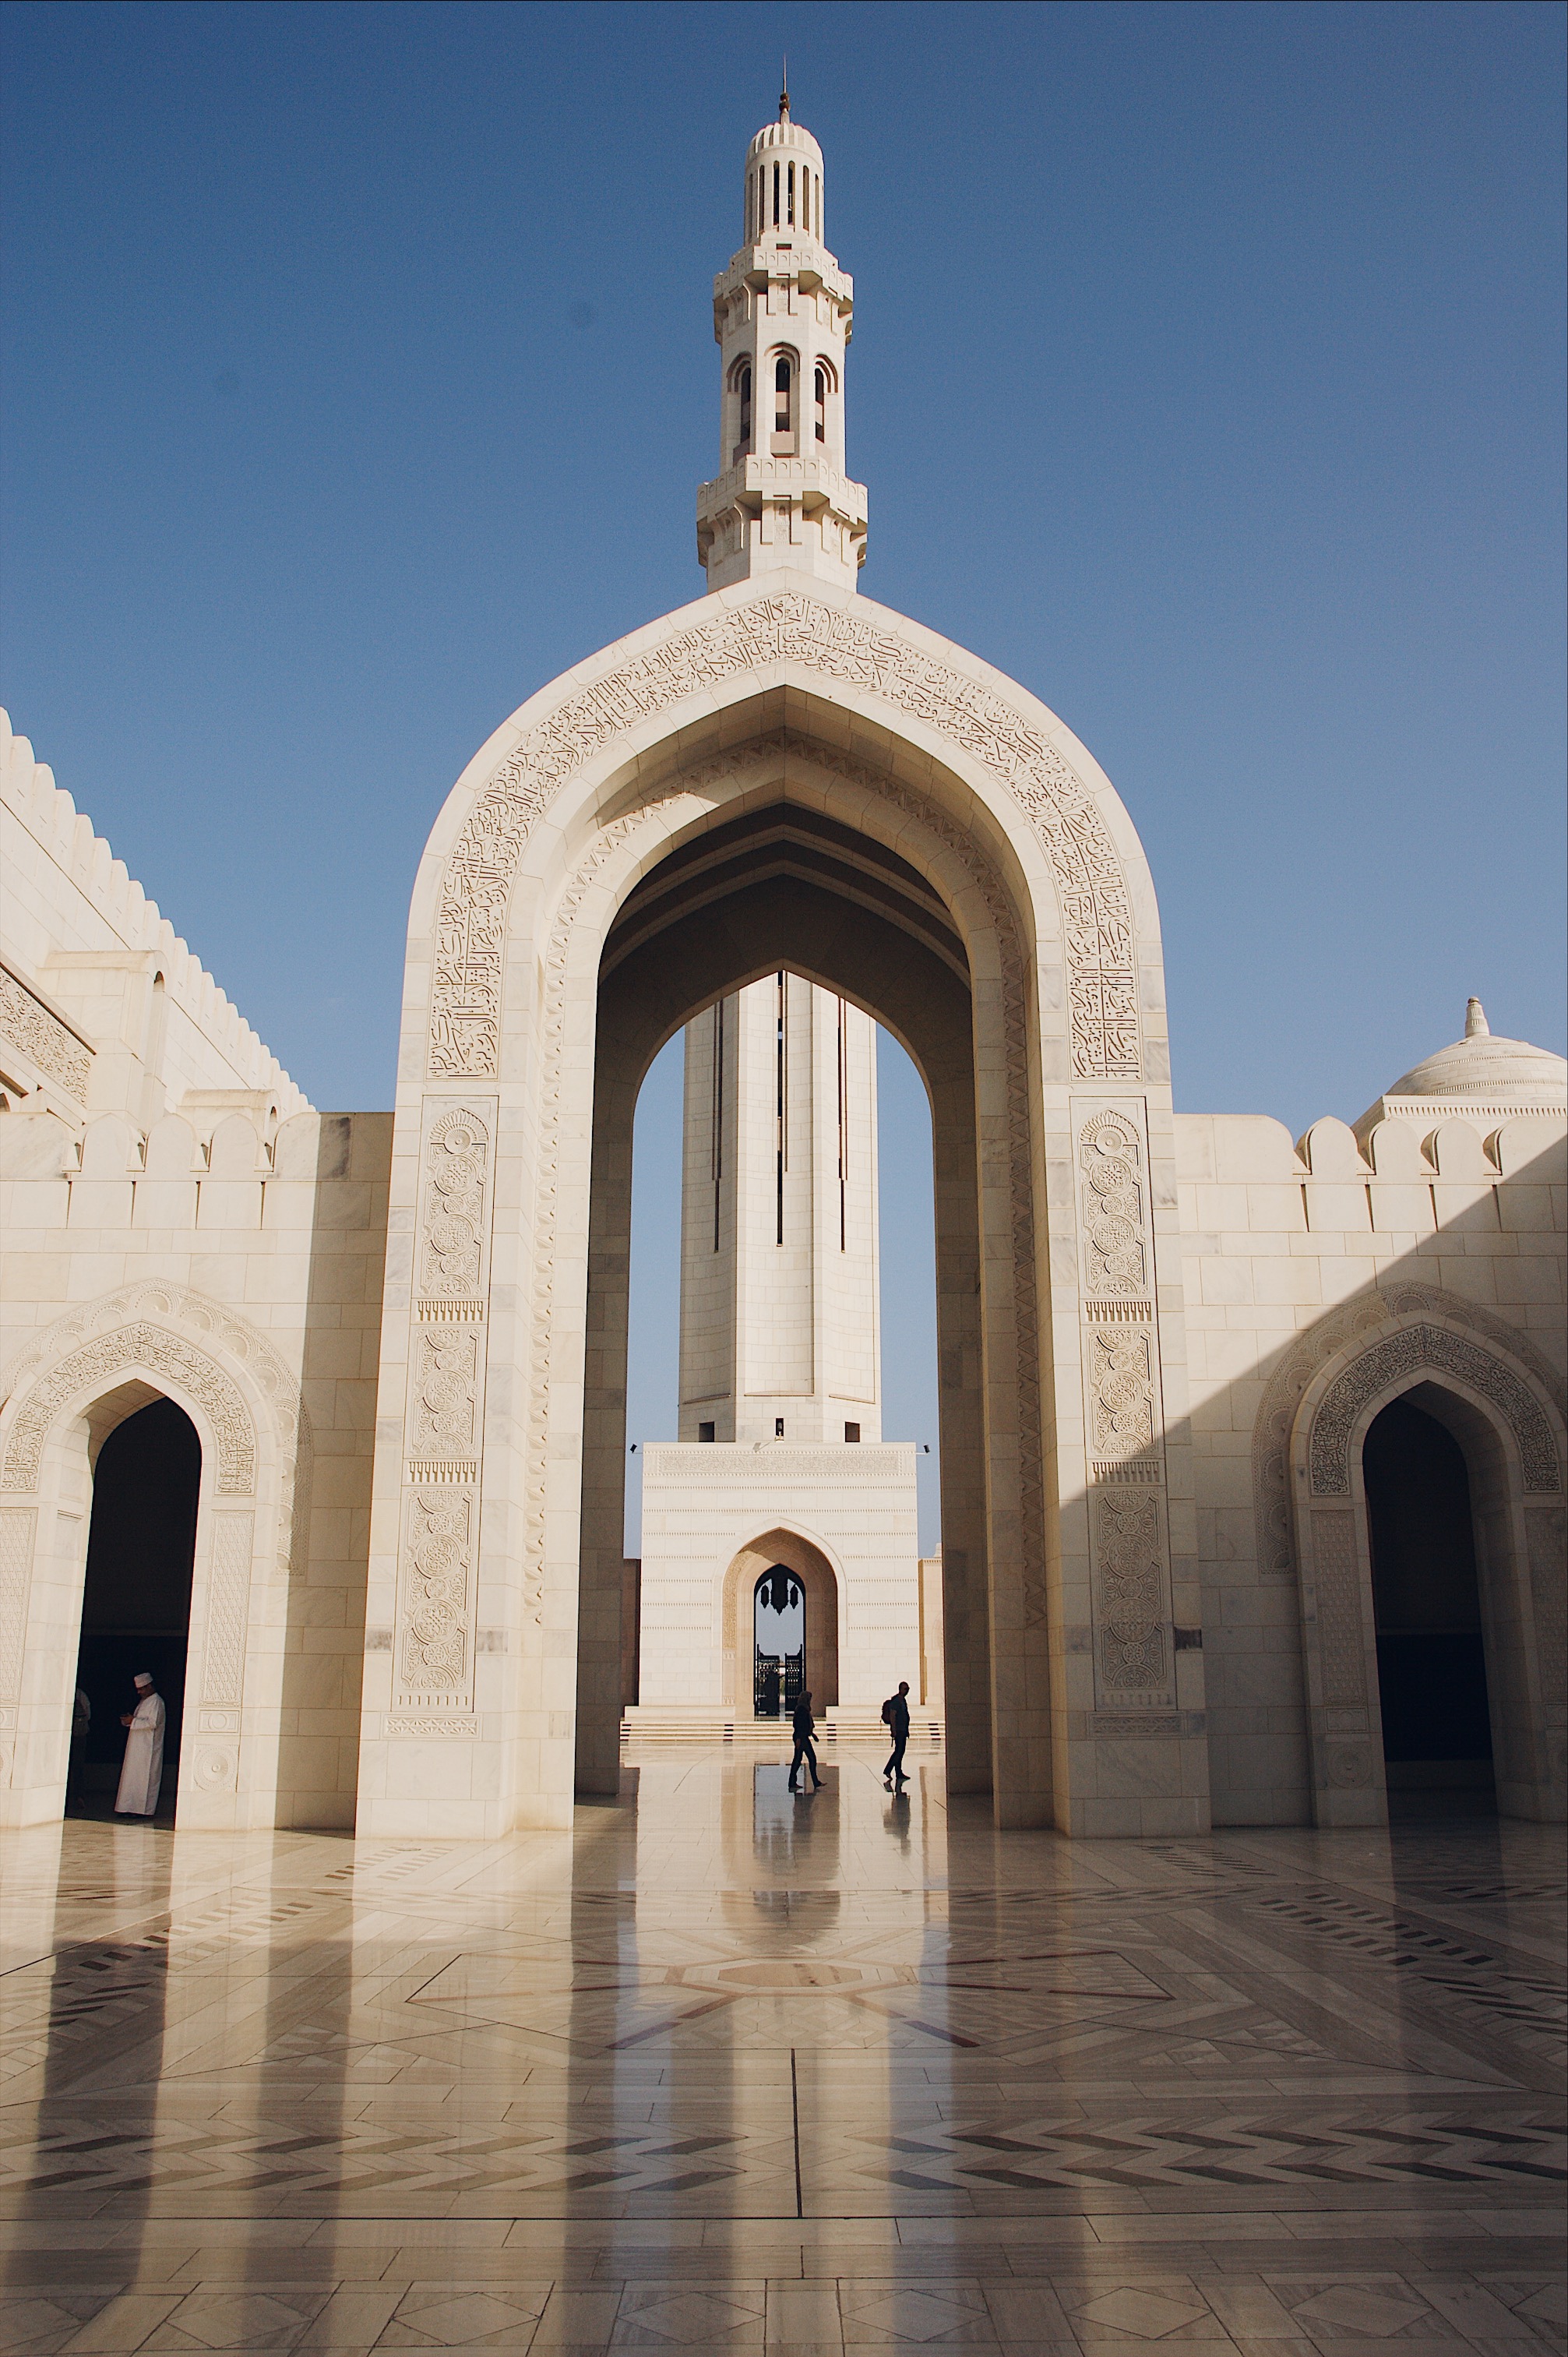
(731, 2068)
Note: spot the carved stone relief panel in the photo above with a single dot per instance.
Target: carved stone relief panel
(1410, 1353)
(854, 650)
(432, 1642)
(16, 1526)
(1546, 1532)
(1131, 1595)
(1341, 1637)
(1123, 1418)
(160, 1352)
(43, 1038)
(228, 1610)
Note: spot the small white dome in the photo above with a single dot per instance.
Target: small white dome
(1480, 1066)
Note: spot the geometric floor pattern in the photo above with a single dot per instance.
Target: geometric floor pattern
(731, 2069)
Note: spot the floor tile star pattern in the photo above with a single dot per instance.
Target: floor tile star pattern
(833, 2075)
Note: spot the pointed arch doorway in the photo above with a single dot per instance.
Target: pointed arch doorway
(135, 1604)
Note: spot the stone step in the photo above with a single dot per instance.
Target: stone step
(835, 1727)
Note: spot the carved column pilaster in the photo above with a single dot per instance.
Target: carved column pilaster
(432, 1643)
(1134, 1667)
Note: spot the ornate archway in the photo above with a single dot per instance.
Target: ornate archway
(806, 758)
(62, 1396)
(1460, 1366)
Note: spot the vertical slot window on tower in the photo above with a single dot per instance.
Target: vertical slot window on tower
(776, 176)
(782, 1081)
(822, 404)
(790, 193)
(782, 404)
(742, 438)
(717, 1117)
(844, 1134)
(806, 202)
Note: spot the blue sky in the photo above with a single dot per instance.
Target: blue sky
(1206, 377)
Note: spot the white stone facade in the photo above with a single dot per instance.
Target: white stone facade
(715, 1519)
(177, 1221)
(1162, 1337)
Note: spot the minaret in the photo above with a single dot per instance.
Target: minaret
(782, 314)
(779, 1277)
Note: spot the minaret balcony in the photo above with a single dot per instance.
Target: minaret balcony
(810, 479)
(809, 266)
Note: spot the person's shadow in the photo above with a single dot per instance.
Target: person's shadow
(896, 1817)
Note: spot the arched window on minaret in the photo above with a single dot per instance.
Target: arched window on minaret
(783, 399)
(742, 383)
(821, 403)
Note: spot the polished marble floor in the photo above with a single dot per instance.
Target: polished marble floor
(731, 2069)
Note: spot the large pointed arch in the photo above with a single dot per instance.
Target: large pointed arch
(954, 811)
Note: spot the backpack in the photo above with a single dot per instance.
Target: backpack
(888, 1712)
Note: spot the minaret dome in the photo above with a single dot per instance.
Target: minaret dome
(783, 195)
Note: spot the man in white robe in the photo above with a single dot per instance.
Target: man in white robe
(143, 1769)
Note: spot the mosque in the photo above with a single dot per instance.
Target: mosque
(1253, 1448)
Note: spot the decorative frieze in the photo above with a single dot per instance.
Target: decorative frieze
(852, 650)
(48, 1045)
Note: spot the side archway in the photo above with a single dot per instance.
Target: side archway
(816, 1575)
(1510, 1432)
(61, 1399)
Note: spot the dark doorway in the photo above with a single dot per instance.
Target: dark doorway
(779, 1618)
(136, 1608)
(1432, 1670)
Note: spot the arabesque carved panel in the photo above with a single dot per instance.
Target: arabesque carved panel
(160, 1352)
(42, 1037)
(1409, 1353)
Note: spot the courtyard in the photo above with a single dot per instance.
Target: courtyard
(728, 2068)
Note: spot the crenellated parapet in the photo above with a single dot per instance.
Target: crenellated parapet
(103, 1008)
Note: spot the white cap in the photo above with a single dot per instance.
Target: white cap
(143, 1678)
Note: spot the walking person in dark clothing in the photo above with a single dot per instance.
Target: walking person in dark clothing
(805, 1726)
(895, 1717)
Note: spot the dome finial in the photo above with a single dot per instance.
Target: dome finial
(1475, 1024)
(784, 90)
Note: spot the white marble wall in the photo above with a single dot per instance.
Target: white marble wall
(1274, 1240)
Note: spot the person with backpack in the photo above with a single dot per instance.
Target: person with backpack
(895, 1717)
(805, 1726)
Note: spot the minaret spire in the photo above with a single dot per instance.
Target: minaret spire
(782, 316)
